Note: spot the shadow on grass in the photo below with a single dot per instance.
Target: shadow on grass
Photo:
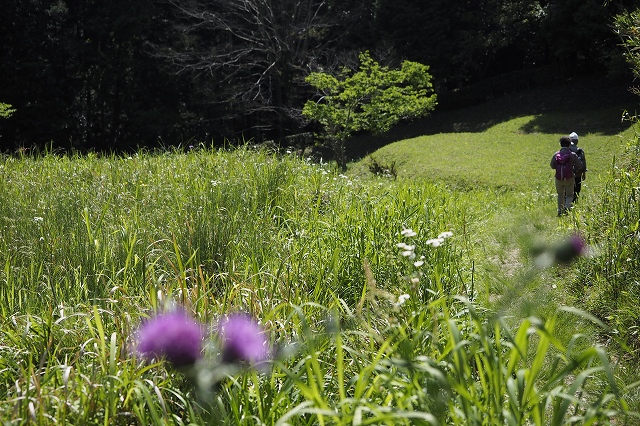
(587, 105)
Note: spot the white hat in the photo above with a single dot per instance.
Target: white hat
(573, 136)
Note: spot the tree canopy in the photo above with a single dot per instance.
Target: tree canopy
(627, 27)
(374, 98)
(6, 111)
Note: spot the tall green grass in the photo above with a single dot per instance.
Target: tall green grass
(82, 229)
(91, 245)
(607, 286)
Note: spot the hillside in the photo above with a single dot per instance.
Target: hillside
(586, 106)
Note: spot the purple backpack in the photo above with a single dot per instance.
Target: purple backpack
(564, 168)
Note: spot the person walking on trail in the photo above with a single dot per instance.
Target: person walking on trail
(580, 175)
(565, 162)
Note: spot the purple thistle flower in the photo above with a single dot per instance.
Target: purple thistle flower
(242, 340)
(570, 249)
(174, 336)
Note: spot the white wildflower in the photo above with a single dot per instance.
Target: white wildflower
(408, 232)
(406, 247)
(402, 298)
(418, 263)
(435, 242)
(445, 235)
(409, 253)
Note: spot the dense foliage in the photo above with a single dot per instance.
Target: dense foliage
(372, 99)
(122, 74)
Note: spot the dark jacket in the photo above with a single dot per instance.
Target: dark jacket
(580, 153)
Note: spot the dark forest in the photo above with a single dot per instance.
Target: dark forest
(126, 74)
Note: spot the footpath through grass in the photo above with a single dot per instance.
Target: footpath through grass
(503, 175)
(502, 172)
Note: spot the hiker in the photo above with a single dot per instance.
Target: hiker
(580, 175)
(565, 162)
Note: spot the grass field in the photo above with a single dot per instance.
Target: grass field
(441, 297)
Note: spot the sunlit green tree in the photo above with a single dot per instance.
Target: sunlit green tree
(627, 26)
(374, 98)
(6, 110)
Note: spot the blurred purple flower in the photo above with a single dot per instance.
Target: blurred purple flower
(174, 336)
(242, 340)
(570, 249)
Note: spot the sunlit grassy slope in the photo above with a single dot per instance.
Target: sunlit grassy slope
(507, 142)
(498, 157)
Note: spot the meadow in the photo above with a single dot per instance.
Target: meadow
(451, 294)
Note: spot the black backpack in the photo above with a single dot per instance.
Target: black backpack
(580, 154)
